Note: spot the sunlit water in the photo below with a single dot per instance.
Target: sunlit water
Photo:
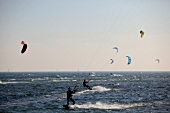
(116, 92)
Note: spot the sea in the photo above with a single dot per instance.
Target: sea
(112, 92)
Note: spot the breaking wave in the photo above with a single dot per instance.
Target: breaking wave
(100, 105)
(12, 82)
(94, 89)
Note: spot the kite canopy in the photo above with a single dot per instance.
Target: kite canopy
(157, 60)
(24, 48)
(142, 33)
(111, 61)
(116, 49)
(129, 60)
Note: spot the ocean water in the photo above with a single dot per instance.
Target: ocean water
(112, 92)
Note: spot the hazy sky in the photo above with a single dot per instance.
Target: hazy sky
(67, 35)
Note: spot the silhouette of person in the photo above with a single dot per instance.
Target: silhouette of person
(69, 96)
(85, 84)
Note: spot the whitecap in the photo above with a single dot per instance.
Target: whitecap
(100, 89)
(12, 79)
(100, 105)
(12, 82)
(118, 75)
(92, 74)
(36, 79)
(60, 80)
(94, 89)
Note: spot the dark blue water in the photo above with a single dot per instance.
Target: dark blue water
(37, 92)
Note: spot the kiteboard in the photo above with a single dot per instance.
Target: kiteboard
(67, 107)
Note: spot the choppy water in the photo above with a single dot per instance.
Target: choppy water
(36, 92)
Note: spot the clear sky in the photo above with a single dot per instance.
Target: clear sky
(71, 35)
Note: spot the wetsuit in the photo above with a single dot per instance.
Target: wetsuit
(69, 96)
(85, 84)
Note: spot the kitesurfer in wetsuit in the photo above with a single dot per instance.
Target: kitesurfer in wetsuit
(70, 94)
(85, 84)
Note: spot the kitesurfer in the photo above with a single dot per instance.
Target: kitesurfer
(70, 94)
(85, 84)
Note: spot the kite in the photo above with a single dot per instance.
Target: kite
(142, 33)
(111, 61)
(129, 60)
(24, 48)
(116, 48)
(157, 60)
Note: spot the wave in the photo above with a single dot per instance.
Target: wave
(59, 79)
(92, 74)
(100, 105)
(12, 82)
(40, 79)
(116, 75)
(100, 89)
(94, 89)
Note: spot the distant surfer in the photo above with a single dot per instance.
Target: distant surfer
(85, 84)
(70, 95)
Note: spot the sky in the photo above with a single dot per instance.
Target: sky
(77, 35)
